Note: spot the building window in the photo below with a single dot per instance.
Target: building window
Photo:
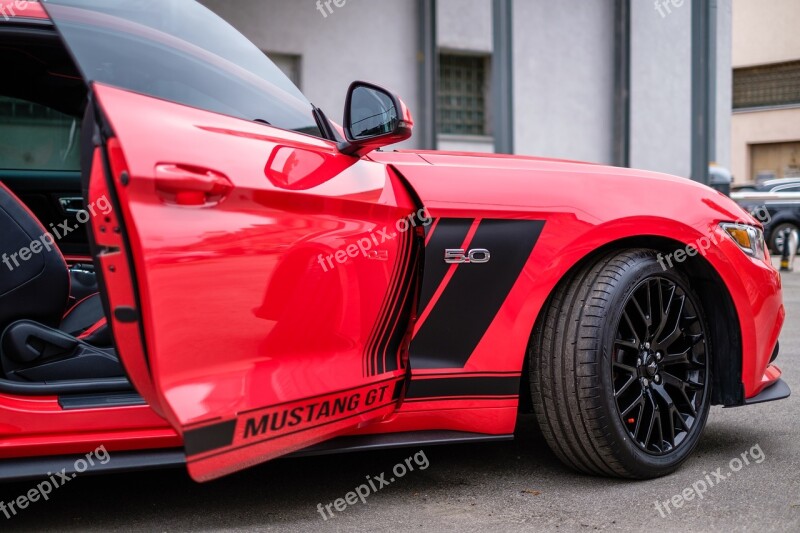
(463, 94)
(289, 65)
(766, 86)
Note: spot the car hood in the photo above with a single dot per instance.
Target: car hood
(456, 181)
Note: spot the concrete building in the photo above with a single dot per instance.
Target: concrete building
(766, 63)
(610, 81)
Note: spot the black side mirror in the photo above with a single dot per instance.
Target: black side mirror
(373, 118)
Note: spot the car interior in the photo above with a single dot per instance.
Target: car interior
(54, 333)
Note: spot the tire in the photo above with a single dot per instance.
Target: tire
(776, 240)
(584, 351)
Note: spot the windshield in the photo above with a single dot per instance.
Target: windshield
(180, 51)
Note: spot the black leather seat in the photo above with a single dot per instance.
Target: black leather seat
(36, 288)
(45, 333)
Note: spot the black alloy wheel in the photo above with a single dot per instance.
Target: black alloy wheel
(620, 367)
(660, 364)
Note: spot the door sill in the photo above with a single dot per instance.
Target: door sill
(70, 402)
(57, 388)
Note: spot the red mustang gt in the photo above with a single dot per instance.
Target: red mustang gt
(199, 267)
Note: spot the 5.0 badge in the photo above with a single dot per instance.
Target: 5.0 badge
(459, 256)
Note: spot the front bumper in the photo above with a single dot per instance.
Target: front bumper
(777, 391)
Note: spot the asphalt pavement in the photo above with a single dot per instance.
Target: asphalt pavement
(513, 486)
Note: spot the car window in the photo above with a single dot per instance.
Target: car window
(36, 137)
(180, 51)
(787, 188)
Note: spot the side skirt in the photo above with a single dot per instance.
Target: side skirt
(40, 468)
(387, 441)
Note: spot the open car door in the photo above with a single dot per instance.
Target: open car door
(257, 286)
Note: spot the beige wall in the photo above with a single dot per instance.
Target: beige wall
(753, 127)
(765, 31)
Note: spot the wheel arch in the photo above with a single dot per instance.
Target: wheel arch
(717, 302)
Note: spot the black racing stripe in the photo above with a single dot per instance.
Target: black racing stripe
(381, 331)
(267, 439)
(448, 233)
(398, 389)
(464, 398)
(316, 397)
(474, 295)
(205, 439)
(491, 386)
(403, 309)
(387, 362)
(220, 435)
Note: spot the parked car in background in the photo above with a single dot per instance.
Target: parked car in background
(776, 185)
(776, 204)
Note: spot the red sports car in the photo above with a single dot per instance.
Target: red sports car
(199, 267)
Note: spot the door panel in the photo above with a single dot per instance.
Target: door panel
(267, 328)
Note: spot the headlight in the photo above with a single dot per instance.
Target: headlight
(749, 238)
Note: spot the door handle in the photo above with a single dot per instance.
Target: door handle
(71, 205)
(188, 185)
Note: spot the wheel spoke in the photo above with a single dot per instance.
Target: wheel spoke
(695, 339)
(670, 410)
(649, 292)
(650, 426)
(638, 419)
(633, 329)
(639, 399)
(647, 319)
(660, 427)
(670, 339)
(675, 381)
(655, 420)
(681, 385)
(625, 368)
(633, 345)
(621, 391)
(664, 312)
(681, 358)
